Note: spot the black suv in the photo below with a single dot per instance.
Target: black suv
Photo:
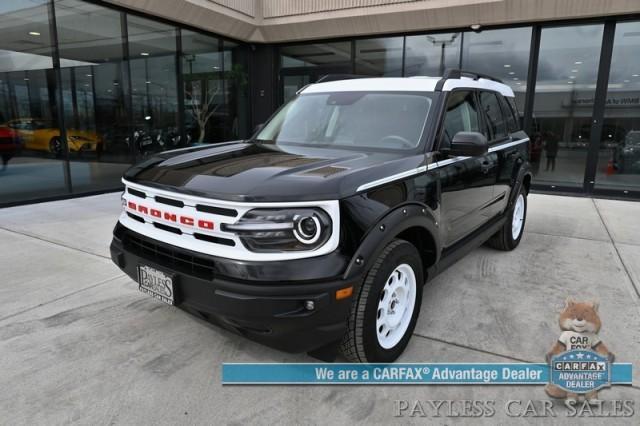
(319, 232)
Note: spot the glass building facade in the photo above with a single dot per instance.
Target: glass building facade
(86, 90)
(577, 88)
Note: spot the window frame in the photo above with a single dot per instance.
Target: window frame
(481, 122)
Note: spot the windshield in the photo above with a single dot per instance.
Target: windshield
(351, 120)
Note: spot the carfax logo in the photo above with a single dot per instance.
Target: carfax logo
(580, 371)
(579, 361)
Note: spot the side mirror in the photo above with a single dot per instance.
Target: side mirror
(469, 144)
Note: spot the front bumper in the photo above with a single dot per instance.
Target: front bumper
(264, 301)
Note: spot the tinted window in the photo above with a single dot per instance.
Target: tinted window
(493, 115)
(509, 114)
(461, 116)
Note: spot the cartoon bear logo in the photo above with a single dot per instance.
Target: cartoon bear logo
(580, 324)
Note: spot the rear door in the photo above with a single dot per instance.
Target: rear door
(497, 132)
(466, 183)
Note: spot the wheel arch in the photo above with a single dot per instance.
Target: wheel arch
(413, 222)
(522, 180)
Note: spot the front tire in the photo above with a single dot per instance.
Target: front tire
(510, 234)
(386, 308)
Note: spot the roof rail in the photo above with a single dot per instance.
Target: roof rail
(450, 73)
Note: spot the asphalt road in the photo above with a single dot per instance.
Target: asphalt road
(79, 342)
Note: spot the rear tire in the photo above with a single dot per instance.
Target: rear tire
(511, 232)
(386, 308)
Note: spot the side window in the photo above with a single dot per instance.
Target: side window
(461, 116)
(493, 115)
(510, 116)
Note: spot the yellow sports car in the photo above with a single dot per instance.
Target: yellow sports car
(44, 135)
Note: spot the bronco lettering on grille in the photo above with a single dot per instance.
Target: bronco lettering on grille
(171, 217)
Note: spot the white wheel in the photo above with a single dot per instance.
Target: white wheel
(518, 217)
(395, 307)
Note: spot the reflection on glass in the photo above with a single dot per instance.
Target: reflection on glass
(215, 88)
(293, 83)
(203, 71)
(379, 57)
(503, 54)
(152, 59)
(316, 54)
(431, 54)
(29, 134)
(94, 90)
(236, 79)
(619, 155)
(563, 107)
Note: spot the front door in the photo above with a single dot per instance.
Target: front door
(466, 183)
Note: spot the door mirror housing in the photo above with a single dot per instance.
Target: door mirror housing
(469, 144)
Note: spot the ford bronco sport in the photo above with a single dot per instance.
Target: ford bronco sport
(318, 233)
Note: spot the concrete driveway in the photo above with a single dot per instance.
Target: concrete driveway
(79, 343)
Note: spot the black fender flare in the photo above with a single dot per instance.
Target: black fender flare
(391, 224)
(523, 171)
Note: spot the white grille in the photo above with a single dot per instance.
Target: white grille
(189, 227)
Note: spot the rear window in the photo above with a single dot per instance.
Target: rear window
(493, 115)
(508, 107)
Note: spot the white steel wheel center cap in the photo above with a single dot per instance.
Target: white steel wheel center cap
(518, 217)
(395, 306)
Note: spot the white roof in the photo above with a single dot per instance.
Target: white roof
(405, 84)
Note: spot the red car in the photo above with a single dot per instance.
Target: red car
(10, 144)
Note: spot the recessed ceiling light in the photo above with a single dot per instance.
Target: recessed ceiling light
(570, 82)
(144, 53)
(511, 72)
(34, 33)
(518, 83)
(626, 81)
(572, 76)
(26, 79)
(475, 27)
(578, 62)
(148, 82)
(89, 75)
(635, 75)
(507, 66)
(574, 70)
(216, 68)
(109, 90)
(86, 85)
(147, 117)
(115, 83)
(515, 78)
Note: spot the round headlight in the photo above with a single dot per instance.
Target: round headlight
(307, 229)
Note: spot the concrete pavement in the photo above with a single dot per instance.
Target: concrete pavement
(79, 343)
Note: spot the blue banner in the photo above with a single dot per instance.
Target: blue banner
(419, 373)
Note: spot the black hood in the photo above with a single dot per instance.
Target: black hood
(242, 171)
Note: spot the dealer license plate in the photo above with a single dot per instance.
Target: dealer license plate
(156, 284)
